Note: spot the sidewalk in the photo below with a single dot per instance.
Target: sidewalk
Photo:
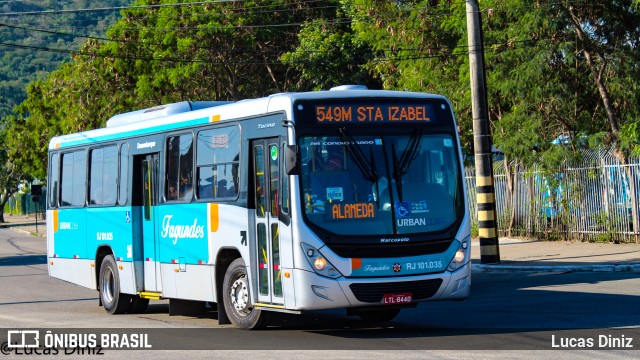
(523, 255)
(26, 224)
(516, 255)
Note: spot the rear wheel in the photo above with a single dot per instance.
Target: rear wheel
(378, 315)
(113, 301)
(237, 299)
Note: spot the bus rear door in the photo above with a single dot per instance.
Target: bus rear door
(148, 189)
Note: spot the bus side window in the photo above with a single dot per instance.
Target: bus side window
(217, 161)
(54, 181)
(73, 178)
(179, 167)
(124, 174)
(103, 186)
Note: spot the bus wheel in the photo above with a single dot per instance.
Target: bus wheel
(237, 300)
(113, 301)
(378, 315)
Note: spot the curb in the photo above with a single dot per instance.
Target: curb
(19, 225)
(26, 232)
(555, 268)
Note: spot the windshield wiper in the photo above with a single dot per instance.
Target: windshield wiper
(410, 153)
(367, 167)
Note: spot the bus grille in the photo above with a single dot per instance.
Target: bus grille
(373, 293)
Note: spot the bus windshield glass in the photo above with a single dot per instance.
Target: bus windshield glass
(387, 184)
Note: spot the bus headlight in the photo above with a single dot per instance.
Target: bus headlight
(461, 256)
(321, 265)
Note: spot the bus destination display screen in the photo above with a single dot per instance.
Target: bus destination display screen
(371, 114)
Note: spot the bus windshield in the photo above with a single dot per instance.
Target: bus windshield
(373, 185)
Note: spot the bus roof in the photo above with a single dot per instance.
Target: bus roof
(184, 114)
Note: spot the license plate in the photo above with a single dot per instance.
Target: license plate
(393, 299)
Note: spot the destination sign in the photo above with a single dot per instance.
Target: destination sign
(352, 211)
(365, 114)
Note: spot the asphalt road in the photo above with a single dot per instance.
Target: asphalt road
(514, 312)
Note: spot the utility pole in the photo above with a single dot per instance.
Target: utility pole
(486, 204)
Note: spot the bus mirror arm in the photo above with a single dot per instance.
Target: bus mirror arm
(291, 160)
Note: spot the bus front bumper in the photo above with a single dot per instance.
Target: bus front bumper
(324, 293)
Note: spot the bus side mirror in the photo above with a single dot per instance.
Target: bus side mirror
(291, 160)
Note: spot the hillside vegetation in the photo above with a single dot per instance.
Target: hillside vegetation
(34, 44)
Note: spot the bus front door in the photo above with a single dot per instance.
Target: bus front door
(149, 200)
(266, 258)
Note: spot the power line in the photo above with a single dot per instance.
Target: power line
(184, 28)
(196, 3)
(243, 10)
(248, 10)
(337, 21)
(54, 32)
(383, 58)
(114, 8)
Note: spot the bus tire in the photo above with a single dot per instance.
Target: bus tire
(378, 315)
(113, 300)
(237, 299)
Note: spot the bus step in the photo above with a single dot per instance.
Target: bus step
(276, 308)
(150, 295)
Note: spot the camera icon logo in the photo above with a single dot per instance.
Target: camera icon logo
(23, 338)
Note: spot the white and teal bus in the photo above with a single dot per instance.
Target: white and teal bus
(349, 198)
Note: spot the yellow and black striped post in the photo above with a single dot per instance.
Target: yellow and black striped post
(487, 225)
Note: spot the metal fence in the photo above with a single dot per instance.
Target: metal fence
(23, 204)
(590, 200)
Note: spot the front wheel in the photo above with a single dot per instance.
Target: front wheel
(113, 301)
(237, 299)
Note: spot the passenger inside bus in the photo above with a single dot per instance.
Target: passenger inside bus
(185, 188)
(172, 194)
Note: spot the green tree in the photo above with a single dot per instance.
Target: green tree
(217, 50)
(329, 54)
(10, 175)
(607, 36)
